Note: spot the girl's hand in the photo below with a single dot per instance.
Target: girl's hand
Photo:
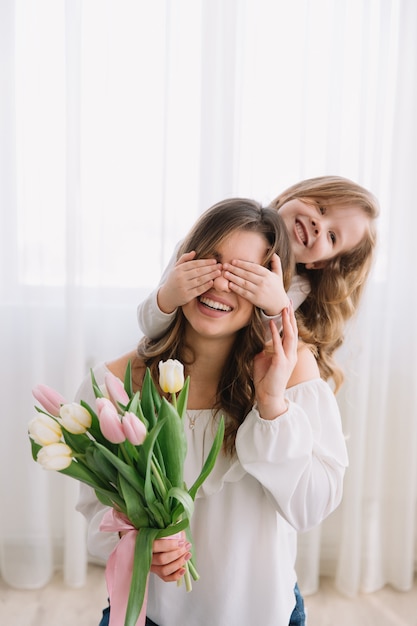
(187, 280)
(273, 366)
(262, 287)
(169, 556)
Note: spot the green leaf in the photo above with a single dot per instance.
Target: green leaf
(147, 400)
(94, 429)
(128, 379)
(147, 447)
(77, 443)
(183, 497)
(173, 529)
(80, 471)
(141, 567)
(135, 507)
(95, 458)
(97, 391)
(111, 500)
(183, 398)
(126, 470)
(173, 443)
(35, 447)
(160, 519)
(210, 460)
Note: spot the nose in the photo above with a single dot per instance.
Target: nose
(316, 227)
(221, 283)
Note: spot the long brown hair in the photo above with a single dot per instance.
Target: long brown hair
(235, 391)
(336, 289)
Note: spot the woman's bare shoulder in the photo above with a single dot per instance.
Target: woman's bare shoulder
(306, 367)
(118, 366)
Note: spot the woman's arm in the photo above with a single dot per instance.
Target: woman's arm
(300, 456)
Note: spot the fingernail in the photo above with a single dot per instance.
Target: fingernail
(188, 556)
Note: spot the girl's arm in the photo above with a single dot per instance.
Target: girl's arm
(152, 321)
(181, 282)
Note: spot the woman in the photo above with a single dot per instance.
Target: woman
(282, 466)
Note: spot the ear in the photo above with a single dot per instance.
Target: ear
(319, 265)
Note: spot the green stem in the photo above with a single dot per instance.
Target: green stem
(193, 570)
(187, 577)
(126, 455)
(158, 478)
(174, 400)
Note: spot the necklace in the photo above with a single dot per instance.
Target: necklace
(192, 420)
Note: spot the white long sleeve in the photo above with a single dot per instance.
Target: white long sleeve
(152, 321)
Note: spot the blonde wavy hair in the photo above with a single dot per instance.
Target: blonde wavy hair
(336, 289)
(235, 391)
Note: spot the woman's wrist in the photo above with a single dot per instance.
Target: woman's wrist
(270, 412)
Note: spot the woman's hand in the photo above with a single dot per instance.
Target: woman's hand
(187, 280)
(264, 288)
(273, 366)
(169, 557)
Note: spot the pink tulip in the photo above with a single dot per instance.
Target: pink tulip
(134, 428)
(110, 424)
(116, 390)
(50, 399)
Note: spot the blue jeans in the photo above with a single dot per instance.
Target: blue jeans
(106, 617)
(298, 617)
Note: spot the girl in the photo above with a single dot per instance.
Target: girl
(284, 457)
(331, 224)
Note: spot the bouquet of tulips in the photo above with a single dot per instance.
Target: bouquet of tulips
(130, 448)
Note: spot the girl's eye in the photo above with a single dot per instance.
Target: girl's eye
(332, 237)
(322, 210)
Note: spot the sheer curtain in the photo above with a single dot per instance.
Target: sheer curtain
(120, 121)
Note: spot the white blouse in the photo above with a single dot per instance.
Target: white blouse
(286, 477)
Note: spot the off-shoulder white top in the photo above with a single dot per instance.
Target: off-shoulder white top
(286, 477)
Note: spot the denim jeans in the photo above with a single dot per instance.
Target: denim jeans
(106, 617)
(298, 617)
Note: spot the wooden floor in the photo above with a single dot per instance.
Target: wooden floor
(58, 605)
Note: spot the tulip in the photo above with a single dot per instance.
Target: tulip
(75, 418)
(44, 430)
(56, 456)
(116, 390)
(50, 399)
(110, 424)
(133, 428)
(171, 376)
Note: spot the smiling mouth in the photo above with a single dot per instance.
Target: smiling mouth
(214, 305)
(301, 232)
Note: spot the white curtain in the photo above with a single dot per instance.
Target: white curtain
(120, 121)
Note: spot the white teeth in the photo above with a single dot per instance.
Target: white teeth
(300, 231)
(218, 306)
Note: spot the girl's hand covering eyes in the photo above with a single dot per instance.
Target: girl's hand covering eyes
(187, 280)
(273, 366)
(262, 287)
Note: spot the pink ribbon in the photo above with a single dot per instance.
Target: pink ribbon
(119, 568)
